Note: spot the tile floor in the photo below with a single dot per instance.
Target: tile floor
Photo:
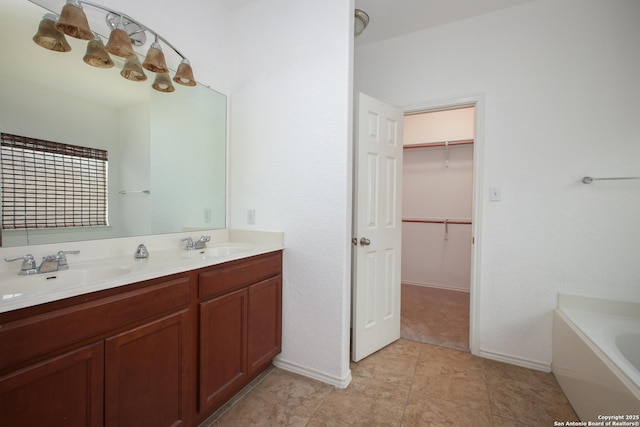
(405, 384)
(435, 316)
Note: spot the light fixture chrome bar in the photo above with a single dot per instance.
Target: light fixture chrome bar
(589, 179)
(135, 21)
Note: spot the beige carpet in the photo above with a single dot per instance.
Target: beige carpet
(435, 316)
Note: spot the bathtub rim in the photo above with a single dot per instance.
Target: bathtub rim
(599, 305)
(619, 309)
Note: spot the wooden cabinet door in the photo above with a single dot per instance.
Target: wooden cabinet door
(62, 391)
(223, 351)
(265, 323)
(146, 374)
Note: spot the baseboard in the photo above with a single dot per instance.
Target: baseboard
(512, 360)
(431, 285)
(311, 373)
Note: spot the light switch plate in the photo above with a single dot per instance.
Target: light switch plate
(494, 194)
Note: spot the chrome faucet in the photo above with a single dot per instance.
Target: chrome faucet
(201, 243)
(55, 262)
(49, 263)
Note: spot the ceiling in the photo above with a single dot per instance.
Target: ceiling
(392, 18)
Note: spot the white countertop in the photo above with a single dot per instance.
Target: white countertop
(104, 266)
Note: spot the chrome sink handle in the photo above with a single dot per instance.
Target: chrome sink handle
(141, 252)
(62, 259)
(188, 245)
(28, 264)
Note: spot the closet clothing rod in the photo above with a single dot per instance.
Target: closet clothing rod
(440, 144)
(436, 221)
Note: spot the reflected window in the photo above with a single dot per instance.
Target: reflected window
(49, 184)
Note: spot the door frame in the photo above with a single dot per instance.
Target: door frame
(478, 102)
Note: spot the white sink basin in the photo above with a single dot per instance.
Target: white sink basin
(55, 280)
(217, 251)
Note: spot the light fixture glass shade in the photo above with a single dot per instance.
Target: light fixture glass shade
(132, 70)
(119, 44)
(155, 59)
(184, 75)
(96, 56)
(73, 22)
(162, 83)
(50, 38)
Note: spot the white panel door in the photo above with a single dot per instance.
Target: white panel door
(377, 226)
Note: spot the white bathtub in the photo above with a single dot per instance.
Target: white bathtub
(596, 357)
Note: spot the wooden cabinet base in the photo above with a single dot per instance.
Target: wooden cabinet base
(63, 391)
(146, 375)
(223, 349)
(160, 353)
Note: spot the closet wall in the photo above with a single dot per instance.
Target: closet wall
(438, 185)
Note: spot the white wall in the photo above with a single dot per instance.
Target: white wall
(560, 83)
(290, 159)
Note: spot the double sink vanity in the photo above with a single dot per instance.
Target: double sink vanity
(112, 339)
(160, 341)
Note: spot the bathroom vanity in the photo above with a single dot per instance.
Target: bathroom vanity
(166, 351)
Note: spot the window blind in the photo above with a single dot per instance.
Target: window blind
(49, 184)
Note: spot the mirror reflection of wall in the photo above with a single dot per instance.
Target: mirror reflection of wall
(173, 145)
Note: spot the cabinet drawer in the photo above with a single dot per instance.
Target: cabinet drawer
(236, 275)
(28, 338)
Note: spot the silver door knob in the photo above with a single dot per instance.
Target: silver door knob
(365, 242)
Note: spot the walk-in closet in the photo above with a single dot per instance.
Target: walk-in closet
(437, 229)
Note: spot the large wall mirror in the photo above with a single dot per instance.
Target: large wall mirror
(167, 151)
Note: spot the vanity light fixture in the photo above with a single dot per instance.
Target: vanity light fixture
(73, 22)
(96, 55)
(162, 83)
(155, 59)
(50, 38)
(119, 43)
(132, 70)
(125, 33)
(184, 74)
